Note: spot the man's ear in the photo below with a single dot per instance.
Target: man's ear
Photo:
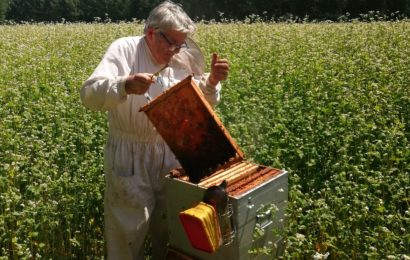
(150, 33)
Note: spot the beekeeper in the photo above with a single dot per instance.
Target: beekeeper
(133, 71)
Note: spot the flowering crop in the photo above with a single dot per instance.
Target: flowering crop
(327, 102)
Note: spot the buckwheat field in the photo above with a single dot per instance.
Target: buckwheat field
(328, 102)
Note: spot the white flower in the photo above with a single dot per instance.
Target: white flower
(300, 236)
(385, 229)
(320, 256)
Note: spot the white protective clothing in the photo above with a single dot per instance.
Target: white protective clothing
(136, 157)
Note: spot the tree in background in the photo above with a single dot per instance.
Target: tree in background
(69, 10)
(36, 10)
(3, 9)
(139, 9)
(116, 10)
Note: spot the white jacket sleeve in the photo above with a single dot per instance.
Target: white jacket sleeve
(105, 88)
(211, 94)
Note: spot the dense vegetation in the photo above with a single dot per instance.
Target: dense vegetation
(90, 10)
(329, 102)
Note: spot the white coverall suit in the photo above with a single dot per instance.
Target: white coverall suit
(136, 157)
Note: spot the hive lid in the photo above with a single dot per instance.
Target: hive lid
(192, 130)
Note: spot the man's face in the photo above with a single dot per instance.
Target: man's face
(164, 45)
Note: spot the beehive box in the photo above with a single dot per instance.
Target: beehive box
(208, 156)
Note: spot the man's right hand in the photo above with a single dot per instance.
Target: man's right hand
(138, 83)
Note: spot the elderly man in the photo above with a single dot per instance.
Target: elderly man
(136, 157)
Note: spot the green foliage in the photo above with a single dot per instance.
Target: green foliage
(51, 147)
(121, 10)
(327, 102)
(70, 10)
(330, 103)
(3, 9)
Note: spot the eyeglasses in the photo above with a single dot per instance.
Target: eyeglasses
(173, 47)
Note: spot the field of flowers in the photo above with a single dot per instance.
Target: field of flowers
(329, 102)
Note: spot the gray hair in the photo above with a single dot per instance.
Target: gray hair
(169, 16)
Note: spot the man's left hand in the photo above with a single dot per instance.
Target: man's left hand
(219, 70)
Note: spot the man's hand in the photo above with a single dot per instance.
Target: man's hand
(219, 70)
(138, 83)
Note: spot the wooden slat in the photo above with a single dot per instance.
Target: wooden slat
(239, 176)
(215, 177)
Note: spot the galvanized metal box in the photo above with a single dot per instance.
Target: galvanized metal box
(208, 154)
